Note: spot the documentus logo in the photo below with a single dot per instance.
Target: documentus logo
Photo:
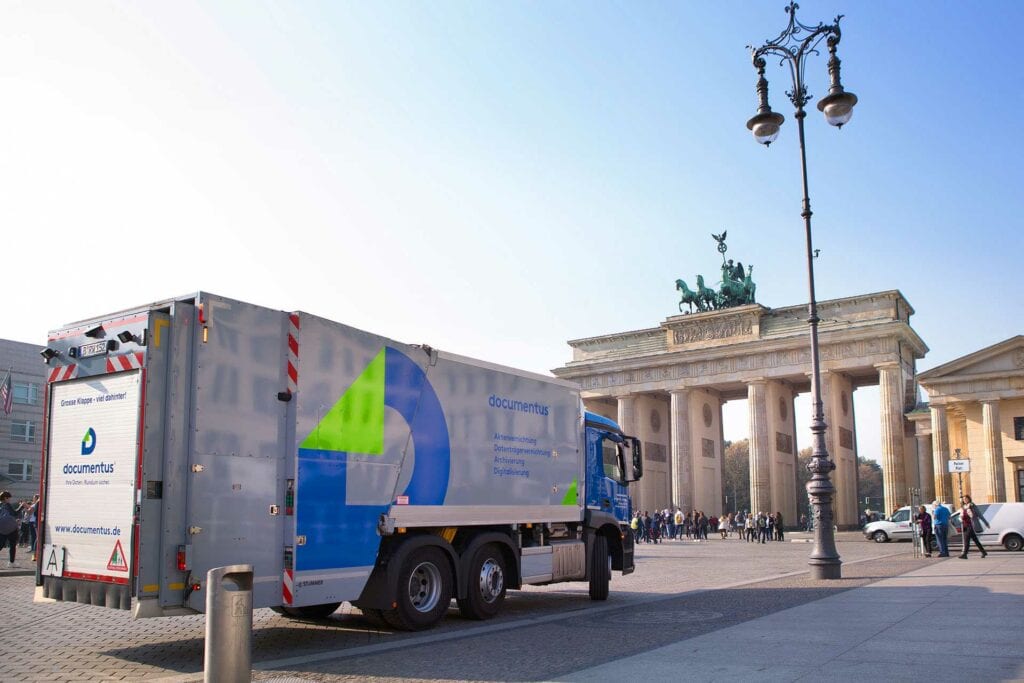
(89, 441)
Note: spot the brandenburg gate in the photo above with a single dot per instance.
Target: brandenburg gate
(667, 384)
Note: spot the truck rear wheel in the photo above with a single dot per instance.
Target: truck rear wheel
(1013, 542)
(486, 590)
(600, 569)
(424, 590)
(312, 611)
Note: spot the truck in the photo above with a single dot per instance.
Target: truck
(200, 432)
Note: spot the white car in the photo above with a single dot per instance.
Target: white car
(899, 527)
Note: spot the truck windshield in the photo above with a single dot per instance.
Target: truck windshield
(610, 459)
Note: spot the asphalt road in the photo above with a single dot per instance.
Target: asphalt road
(678, 591)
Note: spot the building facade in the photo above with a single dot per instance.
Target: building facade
(667, 384)
(21, 431)
(975, 412)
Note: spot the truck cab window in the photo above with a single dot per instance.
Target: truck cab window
(610, 459)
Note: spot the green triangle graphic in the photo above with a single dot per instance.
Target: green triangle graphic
(356, 422)
(570, 495)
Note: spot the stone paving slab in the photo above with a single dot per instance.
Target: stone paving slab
(930, 624)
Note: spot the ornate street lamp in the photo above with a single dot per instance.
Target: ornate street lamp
(792, 48)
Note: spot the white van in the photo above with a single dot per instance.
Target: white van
(898, 527)
(1006, 524)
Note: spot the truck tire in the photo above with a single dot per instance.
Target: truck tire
(486, 590)
(424, 590)
(311, 611)
(600, 569)
(880, 537)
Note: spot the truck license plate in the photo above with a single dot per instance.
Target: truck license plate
(95, 349)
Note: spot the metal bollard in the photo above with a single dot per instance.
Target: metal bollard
(228, 624)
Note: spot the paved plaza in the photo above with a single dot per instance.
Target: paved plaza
(721, 609)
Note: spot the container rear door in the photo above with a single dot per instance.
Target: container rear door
(91, 481)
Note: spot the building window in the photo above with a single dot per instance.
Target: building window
(1018, 428)
(24, 431)
(1020, 486)
(20, 470)
(26, 393)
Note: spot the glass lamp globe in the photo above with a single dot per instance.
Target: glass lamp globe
(838, 108)
(765, 126)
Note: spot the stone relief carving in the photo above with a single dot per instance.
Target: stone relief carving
(783, 443)
(1018, 358)
(707, 448)
(707, 415)
(783, 410)
(845, 438)
(655, 421)
(655, 452)
(707, 331)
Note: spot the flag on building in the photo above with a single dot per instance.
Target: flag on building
(7, 394)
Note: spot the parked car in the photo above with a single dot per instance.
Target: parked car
(1006, 524)
(898, 527)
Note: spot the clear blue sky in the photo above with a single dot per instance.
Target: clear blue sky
(497, 178)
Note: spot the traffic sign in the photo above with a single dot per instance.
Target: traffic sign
(959, 466)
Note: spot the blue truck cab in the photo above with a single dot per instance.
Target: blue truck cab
(613, 461)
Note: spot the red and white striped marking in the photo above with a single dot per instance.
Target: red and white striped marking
(126, 361)
(293, 353)
(63, 372)
(287, 586)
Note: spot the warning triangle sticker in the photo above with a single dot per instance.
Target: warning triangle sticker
(117, 562)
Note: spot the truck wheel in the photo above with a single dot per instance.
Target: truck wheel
(600, 569)
(1013, 542)
(423, 592)
(312, 611)
(486, 590)
(879, 537)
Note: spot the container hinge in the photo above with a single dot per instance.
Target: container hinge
(198, 468)
(195, 530)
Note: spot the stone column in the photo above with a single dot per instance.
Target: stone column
(627, 423)
(894, 478)
(924, 464)
(760, 447)
(940, 454)
(993, 441)
(682, 452)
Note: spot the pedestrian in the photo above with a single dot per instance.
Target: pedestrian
(971, 520)
(778, 527)
(940, 526)
(762, 526)
(924, 521)
(9, 525)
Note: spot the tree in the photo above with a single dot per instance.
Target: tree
(869, 482)
(736, 476)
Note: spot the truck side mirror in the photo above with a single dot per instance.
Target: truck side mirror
(638, 460)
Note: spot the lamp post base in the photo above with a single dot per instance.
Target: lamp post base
(827, 572)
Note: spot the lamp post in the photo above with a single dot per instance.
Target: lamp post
(792, 47)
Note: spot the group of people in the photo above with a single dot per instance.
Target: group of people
(17, 525)
(696, 526)
(936, 525)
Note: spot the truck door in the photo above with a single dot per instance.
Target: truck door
(90, 491)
